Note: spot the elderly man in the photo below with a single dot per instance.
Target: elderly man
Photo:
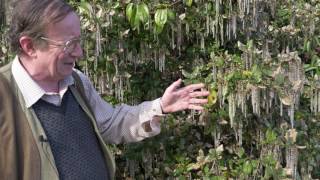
(69, 121)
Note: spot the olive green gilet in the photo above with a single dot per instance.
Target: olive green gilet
(48, 168)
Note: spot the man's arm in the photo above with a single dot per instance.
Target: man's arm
(125, 123)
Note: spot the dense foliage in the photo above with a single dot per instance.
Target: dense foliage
(259, 59)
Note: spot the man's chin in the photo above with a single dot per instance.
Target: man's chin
(65, 74)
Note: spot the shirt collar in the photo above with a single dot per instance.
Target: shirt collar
(29, 88)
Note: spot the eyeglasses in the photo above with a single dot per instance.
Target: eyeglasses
(68, 46)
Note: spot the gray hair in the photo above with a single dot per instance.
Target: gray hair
(31, 17)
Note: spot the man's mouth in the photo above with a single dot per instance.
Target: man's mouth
(69, 64)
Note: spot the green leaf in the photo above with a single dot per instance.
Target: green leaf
(279, 79)
(307, 46)
(241, 46)
(161, 17)
(212, 98)
(143, 12)
(136, 20)
(115, 5)
(159, 28)
(193, 166)
(133, 16)
(129, 11)
(240, 152)
(87, 8)
(209, 6)
(171, 14)
(250, 44)
(186, 74)
(247, 168)
(270, 136)
(188, 3)
(257, 74)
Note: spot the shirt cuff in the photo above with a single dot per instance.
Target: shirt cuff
(156, 107)
(152, 122)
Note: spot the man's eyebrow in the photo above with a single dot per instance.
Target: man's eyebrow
(71, 38)
(76, 37)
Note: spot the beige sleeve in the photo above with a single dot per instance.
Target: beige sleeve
(123, 123)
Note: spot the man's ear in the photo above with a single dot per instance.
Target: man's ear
(27, 45)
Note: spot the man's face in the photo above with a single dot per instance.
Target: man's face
(55, 62)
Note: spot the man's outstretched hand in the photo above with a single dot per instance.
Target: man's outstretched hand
(177, 99)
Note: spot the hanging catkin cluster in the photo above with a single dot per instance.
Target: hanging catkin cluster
(292, 69)
(315, 97)
(255, 100)
(292, 161)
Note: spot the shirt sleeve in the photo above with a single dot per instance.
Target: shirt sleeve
(123, 123)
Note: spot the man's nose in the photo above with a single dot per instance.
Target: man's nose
(77, 52)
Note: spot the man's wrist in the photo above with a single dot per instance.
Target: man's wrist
(161, 106)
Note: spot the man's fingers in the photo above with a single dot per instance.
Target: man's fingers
(195, 107)
(174, 85)
(198, 101)
(199, 94)
(193, 87)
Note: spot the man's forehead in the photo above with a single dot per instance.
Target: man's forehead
(67, 27)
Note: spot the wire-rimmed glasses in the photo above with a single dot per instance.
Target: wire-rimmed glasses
(68, 46)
